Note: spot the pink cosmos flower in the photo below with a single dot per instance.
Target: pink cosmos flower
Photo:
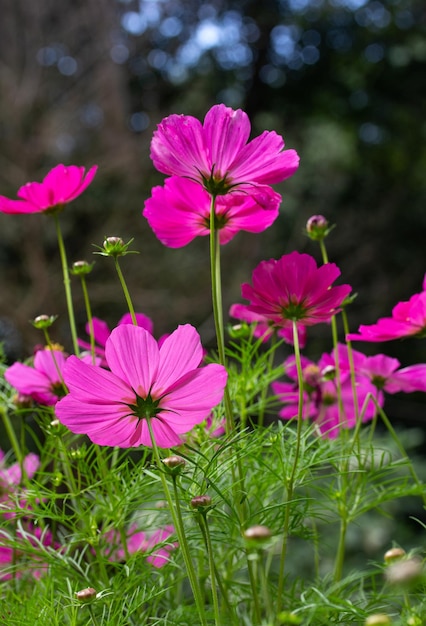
(408, 320)
(24, 552)
(163, 384)
(384, 372)
(10, 481)
(59, 187)
(293, 288)
(156, 544)
(263, 327)
(42, 381)
(180, 211)
(321, 402)
(216, 154)
(101, 332)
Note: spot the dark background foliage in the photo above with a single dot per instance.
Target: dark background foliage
(87, 81)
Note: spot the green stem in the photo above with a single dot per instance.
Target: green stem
(125, 291)
(213, 573)
(13, 438)
(89, 317)
(176, 514)
(67, 285)
(291, 480)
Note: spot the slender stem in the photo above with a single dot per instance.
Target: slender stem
(176, 514)
(89, 317)
(265, 388)
(67, 284)
(291, 480)
(125, 291)
(12, 438)
(202, 519)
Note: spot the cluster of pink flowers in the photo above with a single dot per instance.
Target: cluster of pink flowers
(329, 397)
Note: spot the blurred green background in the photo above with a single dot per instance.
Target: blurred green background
(87, 81)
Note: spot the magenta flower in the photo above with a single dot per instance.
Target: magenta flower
(216, 154)
(25, 551)
(408, 320)
(10, 482)
(293, 288)
(61, 185)
(321, 401)
(180, 211)
(163, 384)
(156, 545)
(101, 332)
(42, 382)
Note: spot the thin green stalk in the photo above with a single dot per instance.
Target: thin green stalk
(125, 291)
(89, 317)
(291, 480)
(176, 514)
(67, 284)
(264, 391)
(12, 438)
(202, 519)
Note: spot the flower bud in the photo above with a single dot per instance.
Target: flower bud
(394, 554)
(257, 533)
(239, 331)
(174, 464)
(317, 227)
(404, 572)
(378, 619)
(86, 595)
(44, 321)
(115, 246)
(81, 268)
(201, 503)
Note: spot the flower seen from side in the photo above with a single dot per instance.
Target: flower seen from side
(218, 154)
(180, 211)
(293, 289)
(42, 382)
(60, 186)
(146, 382)
(157, 545)
(408, 320)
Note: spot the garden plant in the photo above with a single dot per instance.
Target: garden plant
(151, 481)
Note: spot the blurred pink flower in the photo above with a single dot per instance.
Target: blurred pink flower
(163, 384)
(264, 328)
(24, 552)
(59, 187)
(321, 396)
(218, 155)
(101, 332)
(180, 211)
(408, 320)
(10, 482)
(293, 288)
(156, 544)
(42, 381)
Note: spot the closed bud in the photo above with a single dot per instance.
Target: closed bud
(174, 464)
(239, 331)
(44, 321)
(115, 247)
(317, 227)
(257, 533)
(378, 619)
(404, 572)
(86, 595)
(81, 268)
(394, 554)
(201, 503)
